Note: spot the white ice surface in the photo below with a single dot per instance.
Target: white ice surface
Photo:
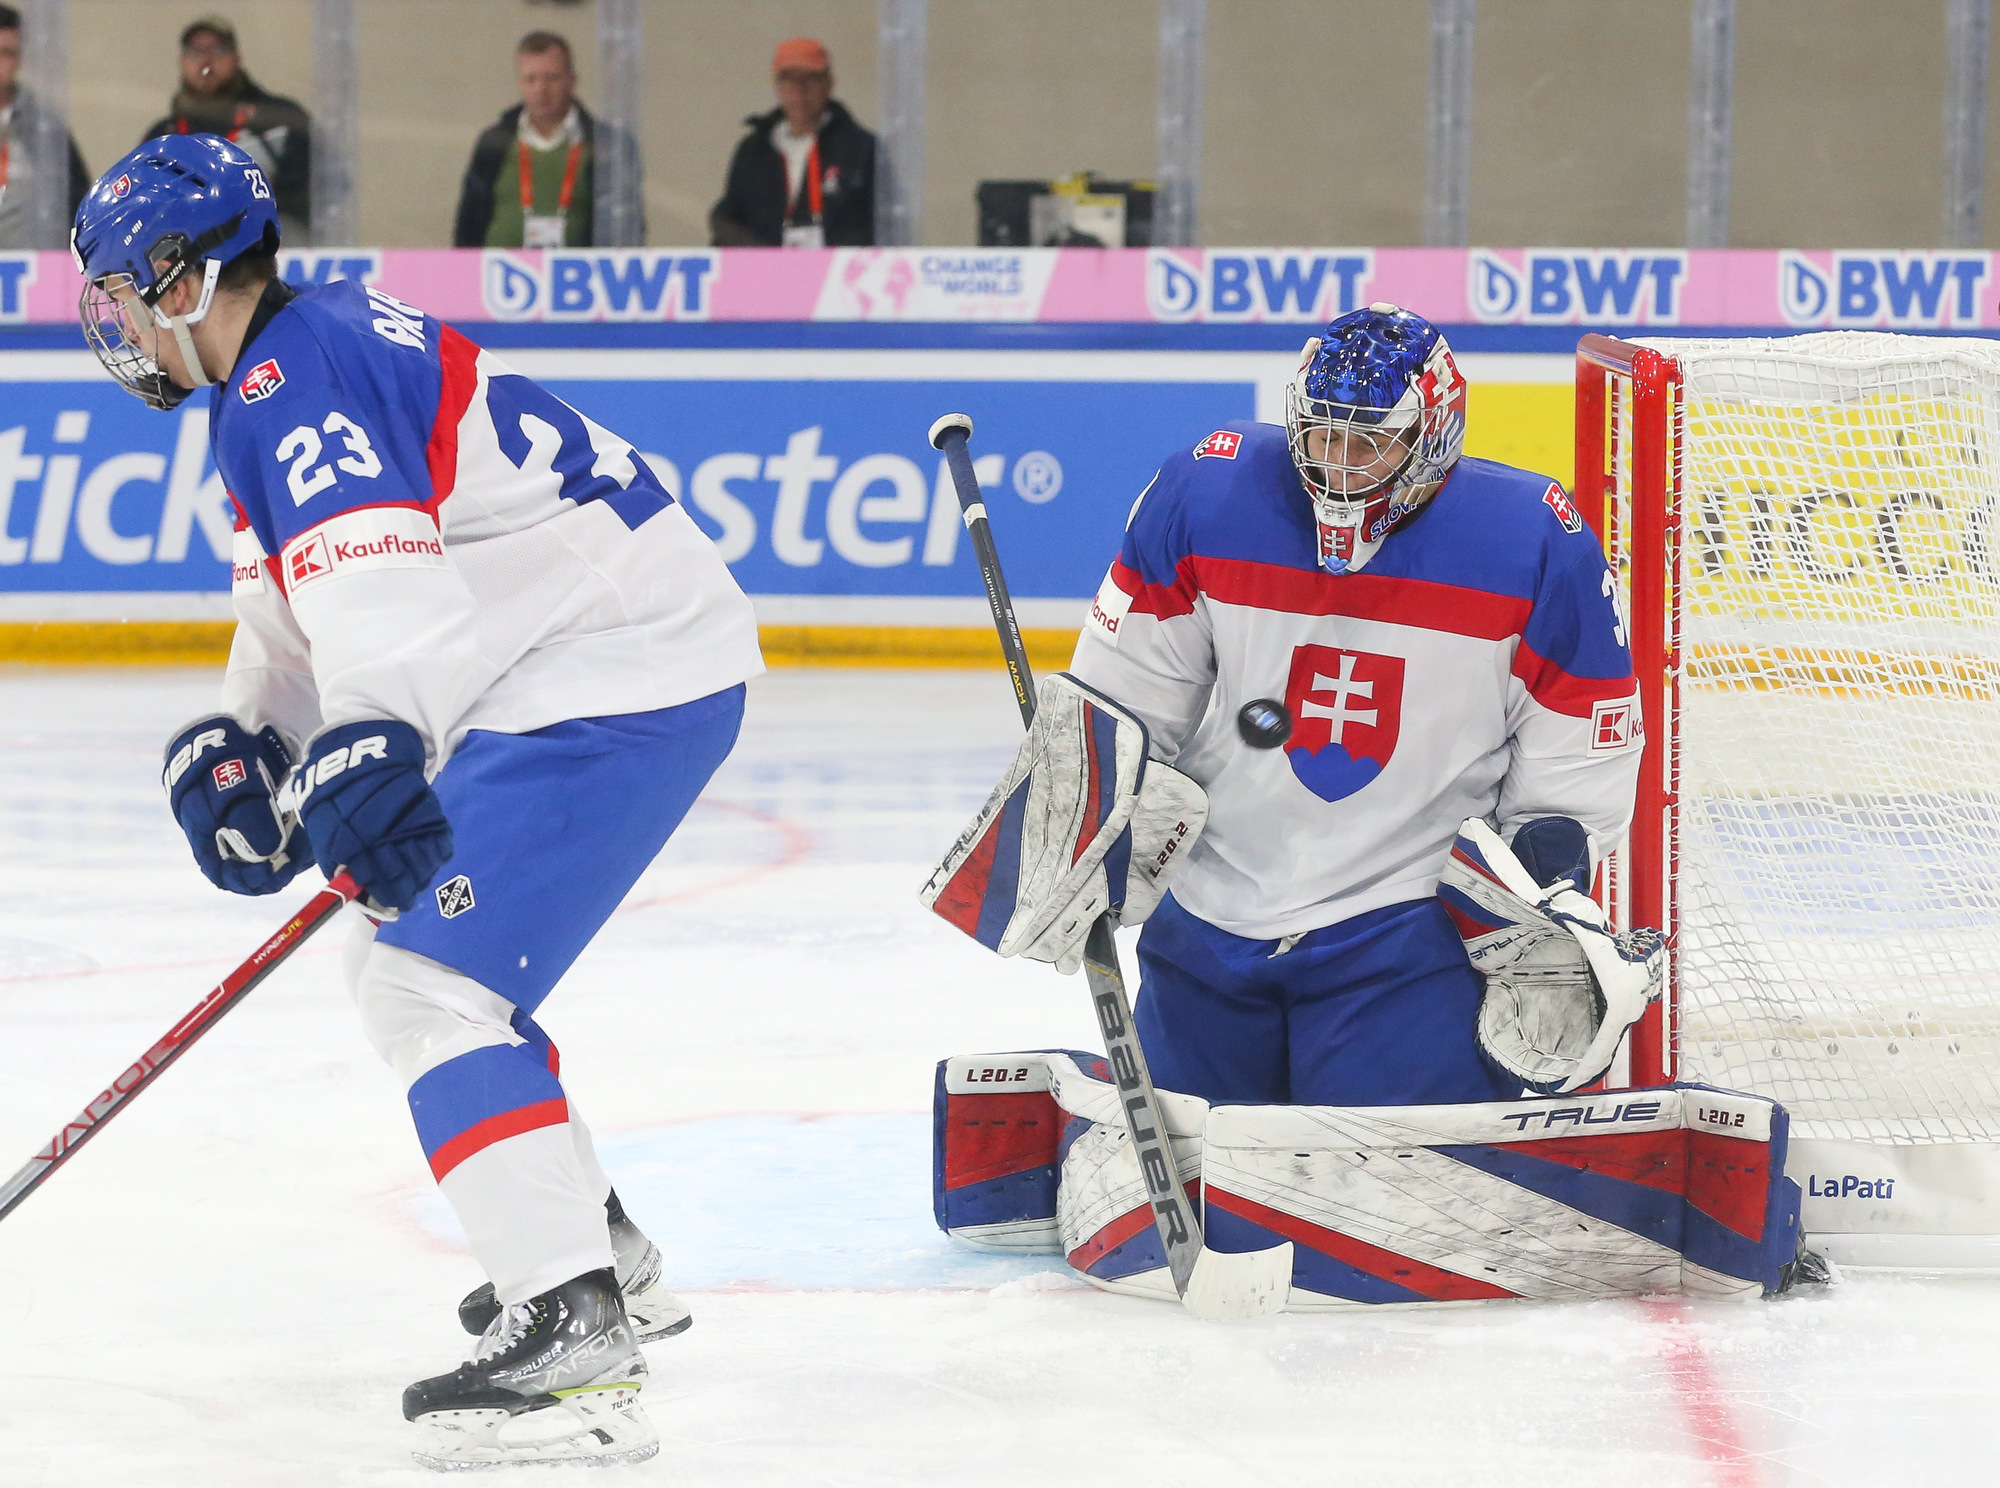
(232, 1285)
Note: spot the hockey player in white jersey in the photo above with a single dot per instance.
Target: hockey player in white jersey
(1382, 663)
(485, 663)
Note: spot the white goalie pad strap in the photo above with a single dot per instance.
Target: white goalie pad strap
(1103, 1215)
(1675, 1189)
(1561, 987)
(1081, 823)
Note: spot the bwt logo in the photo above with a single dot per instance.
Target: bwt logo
(1849, 1186)
(17, 273)
(1613, 287)
(613, 284)
(878, 511)
(318, 269)
(1268, 286)
(1904, 291)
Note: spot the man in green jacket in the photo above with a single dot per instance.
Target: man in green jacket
(531, 182)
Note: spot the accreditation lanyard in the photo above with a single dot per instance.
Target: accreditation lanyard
(815, 194)
(235, 134)
(569, 179)
(808, 234)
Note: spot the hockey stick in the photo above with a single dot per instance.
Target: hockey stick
(176, 1041)
(1210, 1283)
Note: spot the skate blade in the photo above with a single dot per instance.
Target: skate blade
(598, 1425)
(658, 1315)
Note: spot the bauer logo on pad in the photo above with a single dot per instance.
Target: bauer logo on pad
(454, 897)
(230, 773)
(262, 380)
(1223, 444)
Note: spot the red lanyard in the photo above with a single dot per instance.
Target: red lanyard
(815, 197)
(243, 112)
(568, 185)
(6, 150)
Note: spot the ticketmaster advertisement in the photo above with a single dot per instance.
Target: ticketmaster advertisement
(819, 487)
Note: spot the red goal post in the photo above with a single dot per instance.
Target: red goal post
(1639, 879)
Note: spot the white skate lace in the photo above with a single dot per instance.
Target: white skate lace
(506, 1330)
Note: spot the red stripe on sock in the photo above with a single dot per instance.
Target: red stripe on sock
(493, 1129)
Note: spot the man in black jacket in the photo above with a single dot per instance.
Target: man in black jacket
(549, 141)
(216, 96)
(804, 177)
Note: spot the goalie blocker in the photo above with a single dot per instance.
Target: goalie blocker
(1675, 1189)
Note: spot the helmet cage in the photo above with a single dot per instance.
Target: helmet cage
(1358, 493)
(128, 351)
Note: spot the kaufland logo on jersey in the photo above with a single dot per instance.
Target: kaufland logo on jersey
(308, 561)
(1911, 291)
(1263, 284)
(374, 537)
(1570, 287)
(625, 284)
(1221, 445)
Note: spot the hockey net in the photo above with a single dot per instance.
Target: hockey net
(1805, 529)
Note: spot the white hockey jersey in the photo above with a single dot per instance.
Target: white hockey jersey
(424, 534)
(1477, 667)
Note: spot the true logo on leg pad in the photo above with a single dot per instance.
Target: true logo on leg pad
(454, 897)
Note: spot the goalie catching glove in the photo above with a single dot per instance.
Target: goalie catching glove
(1082, 823)
(1561, 987)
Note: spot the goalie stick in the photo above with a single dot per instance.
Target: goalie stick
(1211, 1284)
(176, 1040)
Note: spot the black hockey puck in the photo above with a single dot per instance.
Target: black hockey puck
(1263, 723)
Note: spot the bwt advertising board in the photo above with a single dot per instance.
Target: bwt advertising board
(825, 486)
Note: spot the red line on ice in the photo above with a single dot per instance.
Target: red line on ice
(796, 840)
(1703, 1400)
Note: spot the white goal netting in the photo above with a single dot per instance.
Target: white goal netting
(1839, 732)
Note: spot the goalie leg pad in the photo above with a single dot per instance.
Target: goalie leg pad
(1082, 823)
(996, 1148)
(1676, 1189)
(1103, 1215)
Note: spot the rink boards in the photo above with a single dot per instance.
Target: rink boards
(809, 467)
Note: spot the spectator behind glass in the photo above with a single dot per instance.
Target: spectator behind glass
(804, 177)
(217, 97)
(531, 182)
(18, 119)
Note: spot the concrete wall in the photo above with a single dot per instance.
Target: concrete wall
(1315, 109)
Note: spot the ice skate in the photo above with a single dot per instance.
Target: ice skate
(554, 1379)
(652, 1310)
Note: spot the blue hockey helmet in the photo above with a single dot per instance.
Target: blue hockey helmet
(1375, 419)
(177, 205)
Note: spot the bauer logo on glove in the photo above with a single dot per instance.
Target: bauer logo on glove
(1081, 824)
(1561, 987)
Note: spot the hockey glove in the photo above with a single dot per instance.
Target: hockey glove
(1082, 822)
(1561, 987)
(222, 785)
(367, 808)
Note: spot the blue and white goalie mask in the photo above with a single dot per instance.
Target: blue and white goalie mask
(1375, 419)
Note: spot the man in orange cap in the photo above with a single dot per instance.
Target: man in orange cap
(804, 176)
